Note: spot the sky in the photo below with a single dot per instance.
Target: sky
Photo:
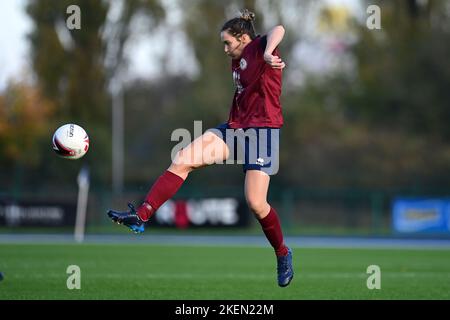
(15, 63)
(14, 27)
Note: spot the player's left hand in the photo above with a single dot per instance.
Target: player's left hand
(274, 61)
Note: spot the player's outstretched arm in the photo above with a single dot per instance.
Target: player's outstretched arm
(274, 37)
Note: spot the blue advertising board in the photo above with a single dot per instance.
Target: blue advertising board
(421, 215)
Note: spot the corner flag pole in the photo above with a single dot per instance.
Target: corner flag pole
(83, 190)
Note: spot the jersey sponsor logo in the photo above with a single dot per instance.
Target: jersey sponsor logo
(237, 81)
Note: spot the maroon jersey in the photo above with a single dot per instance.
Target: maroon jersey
(256, 101)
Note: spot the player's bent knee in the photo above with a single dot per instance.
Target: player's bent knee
(258, 207)
(180, 169)
(183, 161)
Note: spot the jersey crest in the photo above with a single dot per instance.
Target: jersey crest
(243, 64)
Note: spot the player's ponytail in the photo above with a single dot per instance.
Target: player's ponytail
(242, 25)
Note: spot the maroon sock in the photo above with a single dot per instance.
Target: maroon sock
(272, 229)
(163, 189)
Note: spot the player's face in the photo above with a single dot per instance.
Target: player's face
(233, 46)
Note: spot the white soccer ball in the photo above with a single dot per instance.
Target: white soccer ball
(70, 141)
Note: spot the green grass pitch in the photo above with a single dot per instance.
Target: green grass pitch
(110, 271)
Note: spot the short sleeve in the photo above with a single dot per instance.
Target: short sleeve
(263, 42)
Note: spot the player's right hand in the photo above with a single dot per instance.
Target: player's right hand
(274, 61)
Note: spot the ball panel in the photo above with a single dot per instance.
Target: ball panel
(60, 149)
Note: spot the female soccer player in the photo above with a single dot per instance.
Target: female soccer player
(255, 120)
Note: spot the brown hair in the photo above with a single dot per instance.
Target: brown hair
(242, 25)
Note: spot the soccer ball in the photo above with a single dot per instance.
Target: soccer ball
(70, 141)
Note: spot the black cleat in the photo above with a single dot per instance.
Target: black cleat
(128, 218)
